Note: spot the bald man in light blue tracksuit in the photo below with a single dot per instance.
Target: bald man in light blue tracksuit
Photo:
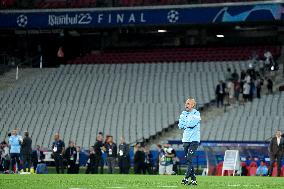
(189, 122)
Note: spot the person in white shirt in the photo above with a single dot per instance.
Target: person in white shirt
(246, 91)
(268, 59)
(77, 160)
(231, 90)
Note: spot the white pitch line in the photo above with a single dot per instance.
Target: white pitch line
(234, 185)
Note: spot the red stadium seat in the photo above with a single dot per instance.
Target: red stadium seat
(252, 171)
(175, 55)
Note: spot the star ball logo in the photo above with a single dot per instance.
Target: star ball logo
(173, 16)
(22, 21)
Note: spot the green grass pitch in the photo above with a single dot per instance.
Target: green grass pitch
(53, 181)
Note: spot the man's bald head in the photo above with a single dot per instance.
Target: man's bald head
(190, 104)
(56, 136)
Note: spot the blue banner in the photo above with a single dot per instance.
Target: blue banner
(96, 18)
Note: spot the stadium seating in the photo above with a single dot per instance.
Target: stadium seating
(255, 121)
(134, 100)
(177, 55)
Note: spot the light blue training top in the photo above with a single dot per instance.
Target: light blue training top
(190, 123)
(15, 145)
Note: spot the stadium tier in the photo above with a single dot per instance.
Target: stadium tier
(177, 55)
(255, 121)
(133, 100)
(52, 4)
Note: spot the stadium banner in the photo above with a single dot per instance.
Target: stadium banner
(96, 18)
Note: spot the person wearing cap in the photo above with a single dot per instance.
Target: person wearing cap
(189, 122)
(26, 151)
(58, 148)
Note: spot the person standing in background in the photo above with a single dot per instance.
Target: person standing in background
(160, 154)
(269, 86)
(58, 148)
(98, 147)
(27, 151)
(123, 157)
(220, 93)
(148, 160)
(5, 156)
(70, 155)
(139, 161)
(91, 161)
(276, 147)
(15, 149)
(246, 91)
(111, 150)
(77, 160)
(37, 156)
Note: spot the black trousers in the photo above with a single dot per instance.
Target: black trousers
(76, 169)
(71, 169)
(123, 163)
(15, 158)
(59, 163)
(27, 162)
(220, 100)
(140, 168)
(189, 151)
(90, 168)
(275, 158)
(97, 164)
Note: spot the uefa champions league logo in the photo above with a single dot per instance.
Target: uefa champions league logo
(22, 21)
(173, 16)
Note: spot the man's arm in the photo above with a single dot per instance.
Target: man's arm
(126, 150)
(24, 142)
(194, 120)
(270, 146)
(181, 124)
(115, 150)
(63, 148)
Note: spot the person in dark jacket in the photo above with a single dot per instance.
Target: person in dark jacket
(276, 152)
(37, 156)
(26, 151)
(71, 155)
(58, 148)
(139, 161)
(123, 157)
(111, 150)
(148, 160)
(91, 161)
(98, 147)
(77, 160)
(220, 93)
